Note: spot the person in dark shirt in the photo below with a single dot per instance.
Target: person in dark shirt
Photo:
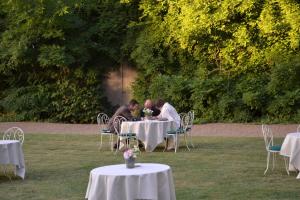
(149, 105)
(124, 111)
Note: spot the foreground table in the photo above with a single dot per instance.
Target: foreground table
(145, 181)
(11, 153)
(150, 132)
(291, 148)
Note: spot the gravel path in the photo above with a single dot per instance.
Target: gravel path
(212, 129)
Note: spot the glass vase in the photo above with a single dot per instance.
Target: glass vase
(130, 162)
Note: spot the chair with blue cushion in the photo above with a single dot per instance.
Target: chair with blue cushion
(271, 148)
(127, 137)
(181, 131)
(102, 120)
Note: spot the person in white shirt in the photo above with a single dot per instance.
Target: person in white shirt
(167, 111)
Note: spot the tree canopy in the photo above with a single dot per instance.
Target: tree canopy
(229, 60)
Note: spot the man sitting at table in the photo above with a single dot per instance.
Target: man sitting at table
(124, 111)
(167, 111)
(149, 105)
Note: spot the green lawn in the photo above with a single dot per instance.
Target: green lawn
(218, 168)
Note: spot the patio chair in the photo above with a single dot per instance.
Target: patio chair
(14, 133)
(298, 129)
(128, 137)
(102, 120)
(182, 130)
(271, 148)
(191, 115)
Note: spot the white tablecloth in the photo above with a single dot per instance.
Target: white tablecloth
(11, 153)
(291, 148)
(145, 181)
(150, 132)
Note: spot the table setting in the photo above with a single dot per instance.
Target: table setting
(151, 132)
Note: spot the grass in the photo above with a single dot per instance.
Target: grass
(218, 168)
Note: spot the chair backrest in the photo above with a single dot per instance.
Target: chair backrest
(191, 114)
(102, 119)
(117, 123)
(268, 136)
(181, 115)
(184, 122)
(14, 133)
(298, 129)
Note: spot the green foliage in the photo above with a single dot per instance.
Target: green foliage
(242, 57)
(55, 54)
(227, 60)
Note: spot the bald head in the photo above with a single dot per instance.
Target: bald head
(148, 104)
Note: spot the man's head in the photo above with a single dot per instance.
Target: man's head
(148, 104)
(159, 103)
(133, 105)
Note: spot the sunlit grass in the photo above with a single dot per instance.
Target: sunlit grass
(218, 168)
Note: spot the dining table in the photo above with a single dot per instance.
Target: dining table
(145, 181)
(291, 148)
(11, 153)
(150, 132)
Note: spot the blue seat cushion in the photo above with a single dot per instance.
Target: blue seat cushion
(127, 134)
(178, 131)
(275, 148)
(105, 130)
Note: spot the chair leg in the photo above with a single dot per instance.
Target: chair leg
(286, 164)
(100, 147)
(273, 162)
(186, 142)
(111, 140)
(175, 142)
(118, 145)
(268, 158)
(166, 144)
(190, 136)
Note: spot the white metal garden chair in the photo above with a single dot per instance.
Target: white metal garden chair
(191, 115)
(182, 130)
(128, 137)
(14, 133)
(271, 148)
(102, 121)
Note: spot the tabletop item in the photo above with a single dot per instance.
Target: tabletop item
(291, 148)
(151, 132)
(130, 155)
(11, 153)
(145, 181)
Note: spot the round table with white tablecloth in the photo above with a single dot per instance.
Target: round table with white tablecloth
(145, 181)
(291, 148)
(11, 153)
(150, 132)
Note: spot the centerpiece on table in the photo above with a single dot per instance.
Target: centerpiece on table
(130, 155)
(148, 113)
